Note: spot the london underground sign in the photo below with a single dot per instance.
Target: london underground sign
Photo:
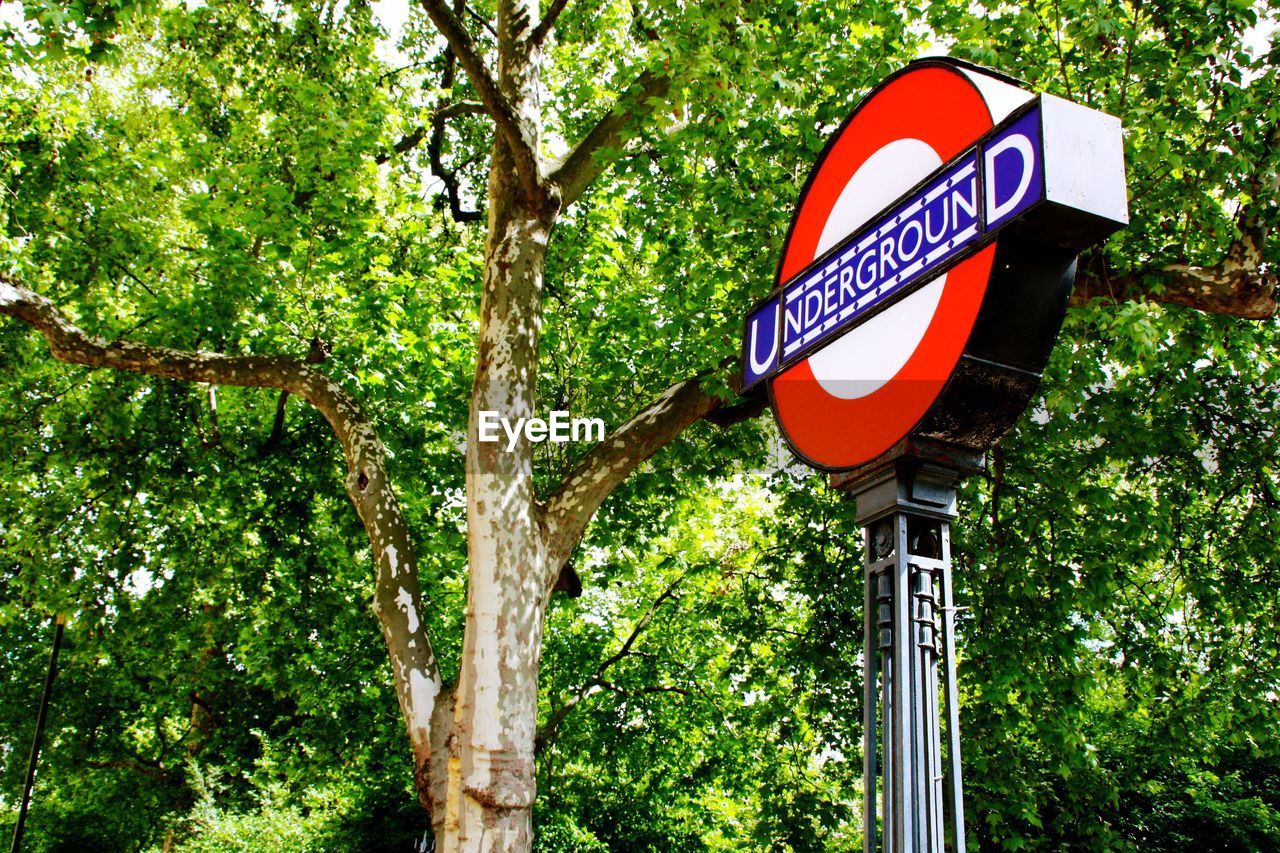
(929, 261)
(921, 288)
(923, 235)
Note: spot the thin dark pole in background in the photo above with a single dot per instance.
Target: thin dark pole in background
(41, 716)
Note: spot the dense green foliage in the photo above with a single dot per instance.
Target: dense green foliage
(224, 177)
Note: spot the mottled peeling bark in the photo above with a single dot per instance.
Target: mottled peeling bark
(492, 779)
(1239, 286)
(497, 694)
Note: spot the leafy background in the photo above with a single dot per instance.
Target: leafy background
(223, 177)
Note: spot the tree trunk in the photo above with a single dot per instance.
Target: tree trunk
(491, 774)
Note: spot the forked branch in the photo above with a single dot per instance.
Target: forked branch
(548, 22)
(528, 165)
(572, 505)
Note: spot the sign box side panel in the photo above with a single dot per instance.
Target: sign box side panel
(1084, 160)
(999, 372)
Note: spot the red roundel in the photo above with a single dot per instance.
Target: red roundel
(859, 395)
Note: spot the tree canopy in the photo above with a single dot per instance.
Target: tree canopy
(297, 190)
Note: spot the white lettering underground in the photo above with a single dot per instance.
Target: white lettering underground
(921, 236)
(910, 242)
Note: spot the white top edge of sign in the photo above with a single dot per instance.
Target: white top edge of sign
(1002, 98)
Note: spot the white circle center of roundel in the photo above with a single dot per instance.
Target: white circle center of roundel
(862, 361)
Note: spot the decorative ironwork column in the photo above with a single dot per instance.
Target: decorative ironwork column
(912, 799)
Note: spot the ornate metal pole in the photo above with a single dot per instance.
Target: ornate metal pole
(906, 508)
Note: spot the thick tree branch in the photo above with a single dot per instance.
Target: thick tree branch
(397, 598)
(68, 343)
(547, 733)
(1239, 285)
(1242, 284)
(548, 21)
(528, 164)
(1235, 287)
(586, 160)
(572, 505)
